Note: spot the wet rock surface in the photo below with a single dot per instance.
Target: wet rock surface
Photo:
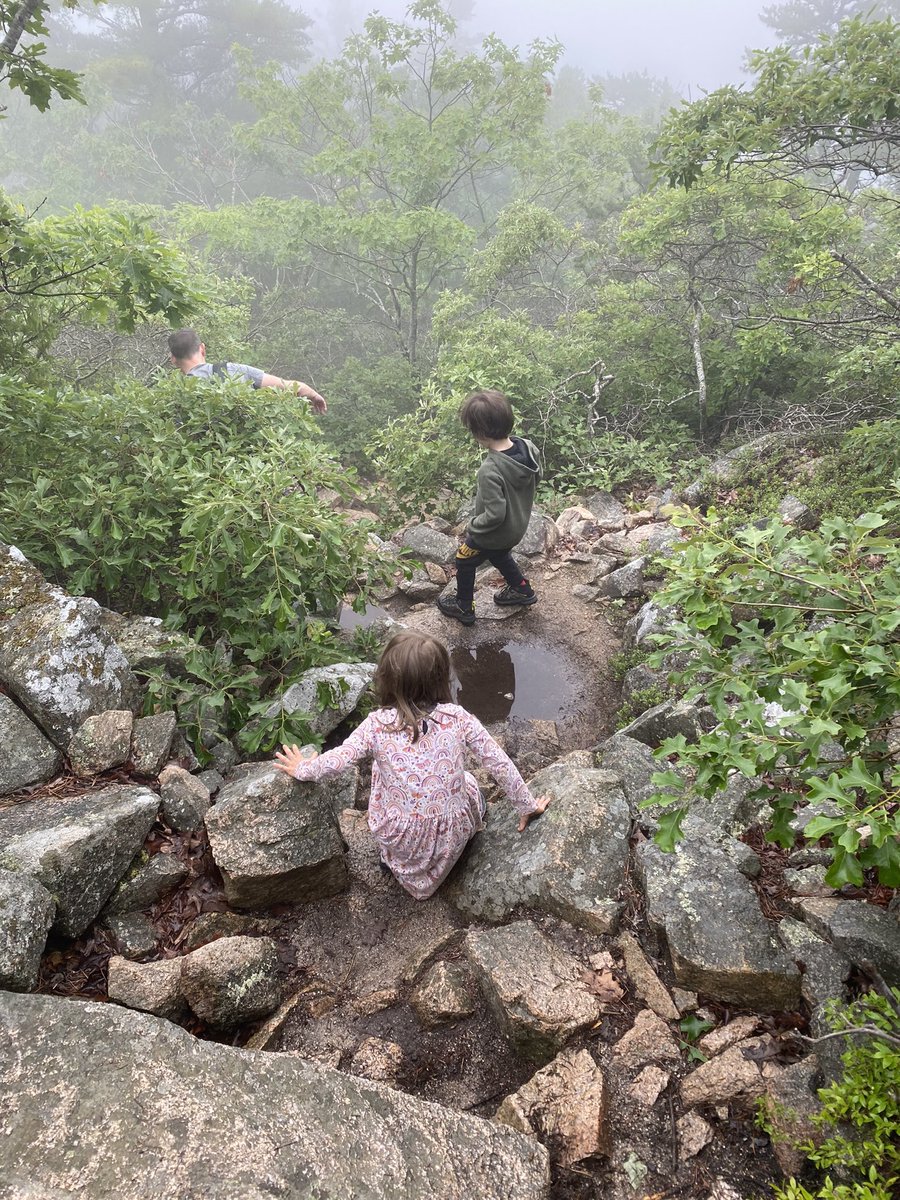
(61, 1062)
(77, 848)
(570, 862)
(274, 840)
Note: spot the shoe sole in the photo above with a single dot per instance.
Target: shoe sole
(525, 602)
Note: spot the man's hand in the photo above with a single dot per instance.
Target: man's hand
(289, 758)
(316, 402)
(540, 805)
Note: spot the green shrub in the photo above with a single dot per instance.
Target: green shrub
(793, 640)
(198, 502)
(859, 1115)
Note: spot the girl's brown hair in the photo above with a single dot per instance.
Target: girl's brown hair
(413, 675)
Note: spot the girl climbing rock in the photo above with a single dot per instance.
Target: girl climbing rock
(424, 805)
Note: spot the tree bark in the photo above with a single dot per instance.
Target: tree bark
(698, 364)
(26, 11)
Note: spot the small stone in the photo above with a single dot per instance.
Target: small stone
(603, 961)
(728, 1077)
(582, 591)
(693, 1134)
(28, 756)
(444, 995)
(153, 987)
(625, 582)
(728, 1035)
(376, 1002)
(795, 512)
(722, 1190)
(649, 1085)
(379, 1060)
(146, 882)
(135, 934)
(185, 799)
(647, 984)
(102, 742)
(564, 1105)
(151, 741)
(808, 881)
(212, 779)
(233, 980)
(224, 757)
(648, 1041)
(684, 1001)
(26, 914)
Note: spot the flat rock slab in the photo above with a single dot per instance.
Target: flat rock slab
(570, 862)
(719, 942)
(275, 840)
(536, 991)
(26, 756)
(26, 913)
(56, 657)
(192, 1118)
(78, 848)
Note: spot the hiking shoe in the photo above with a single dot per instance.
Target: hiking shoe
(510, 595)
(450, 607)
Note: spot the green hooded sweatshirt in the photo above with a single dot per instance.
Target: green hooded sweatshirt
(504, 495)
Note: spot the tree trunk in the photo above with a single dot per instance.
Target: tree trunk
(26, 11)
(698, 364)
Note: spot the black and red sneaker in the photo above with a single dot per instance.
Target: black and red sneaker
(451, 607)
(522, 596)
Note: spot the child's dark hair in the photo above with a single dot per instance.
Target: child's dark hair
(413, 675)
(487, 415)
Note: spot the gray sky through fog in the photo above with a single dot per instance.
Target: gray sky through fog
(695, 43)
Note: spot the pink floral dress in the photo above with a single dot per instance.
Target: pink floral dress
(424, 805)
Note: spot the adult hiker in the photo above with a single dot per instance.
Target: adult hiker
(188, 354)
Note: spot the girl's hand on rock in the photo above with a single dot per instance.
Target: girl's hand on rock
(540, 805)
(289, 758)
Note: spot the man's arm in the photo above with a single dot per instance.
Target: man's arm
(316, 401)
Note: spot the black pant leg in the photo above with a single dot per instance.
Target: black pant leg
(468, 559)
(509, 569)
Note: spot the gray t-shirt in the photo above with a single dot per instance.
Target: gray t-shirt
(238, 370)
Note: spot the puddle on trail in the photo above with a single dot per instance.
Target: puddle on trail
(348, 620)
(497, 680)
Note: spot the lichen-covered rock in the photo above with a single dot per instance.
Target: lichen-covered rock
(56, 658)
(102, 742)
(207, 1118)
(134, 933)
(564, 1105)
(633, 763)
(343, 683)
(185, 799)
(26, 756)
(151, 742)
(648, 622)
(625, 582)
(606, 510)
(78, 848)
(825, 970)
(428, 544)
(719, 942)
(420, 586)
(147, 881)
(540, 536)
(146, 643)
(536, 991)
(570, 862)
(232, 980)
(275, 840)
(863, 932)
(444, 995)
(153, 987)
(794, 512)
(666, 720)
(26, 913)
(791, 1106)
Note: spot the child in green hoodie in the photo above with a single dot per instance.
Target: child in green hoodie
(504, 495)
